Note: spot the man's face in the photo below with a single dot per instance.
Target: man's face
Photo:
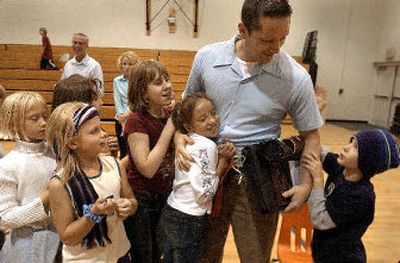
(79, 45)
(261, 45)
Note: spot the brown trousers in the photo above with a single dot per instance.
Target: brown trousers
(253, 231)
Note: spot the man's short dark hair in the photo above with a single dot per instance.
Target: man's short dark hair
(252, 10)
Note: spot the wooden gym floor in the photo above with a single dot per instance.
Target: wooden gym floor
(382, 240)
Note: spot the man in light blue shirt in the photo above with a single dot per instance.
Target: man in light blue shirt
(253, 84)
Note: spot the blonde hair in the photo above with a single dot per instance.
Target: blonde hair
(131, 55)
(13, 112)
(61, 130)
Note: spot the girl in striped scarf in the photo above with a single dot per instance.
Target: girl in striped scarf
(89, 196)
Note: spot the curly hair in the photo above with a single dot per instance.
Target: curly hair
(142, 75)
(13, 111)
(252, 10)
(60, 131)
(183, 111)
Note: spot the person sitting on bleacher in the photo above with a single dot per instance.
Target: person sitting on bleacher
(82, 63)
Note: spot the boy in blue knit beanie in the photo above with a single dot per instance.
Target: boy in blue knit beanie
(342, 211)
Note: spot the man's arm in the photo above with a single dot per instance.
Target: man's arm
(299, 194)
(194, 83)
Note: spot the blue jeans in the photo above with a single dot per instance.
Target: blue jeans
(142, 228)
(184, 236)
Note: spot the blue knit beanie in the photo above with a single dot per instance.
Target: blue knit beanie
(378, 151)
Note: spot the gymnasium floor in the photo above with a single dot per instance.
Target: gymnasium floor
(382, 240)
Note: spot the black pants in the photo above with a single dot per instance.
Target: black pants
(44, 62)
(184, 236)
(142, 229)
(121, 140)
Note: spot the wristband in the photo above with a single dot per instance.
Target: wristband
(88, 213)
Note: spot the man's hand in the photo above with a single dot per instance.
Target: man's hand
(299, 195)
(182, 157)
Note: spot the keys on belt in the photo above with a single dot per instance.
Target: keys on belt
(238, 161)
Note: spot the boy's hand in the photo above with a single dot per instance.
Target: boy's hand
(226, 150)
(182, 157)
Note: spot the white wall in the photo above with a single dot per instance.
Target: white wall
(389, 32)
(350, 32)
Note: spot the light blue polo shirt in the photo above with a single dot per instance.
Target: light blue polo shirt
(252, 108)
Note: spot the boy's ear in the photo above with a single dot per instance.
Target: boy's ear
(72, 144)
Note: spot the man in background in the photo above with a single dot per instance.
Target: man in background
(82, 63)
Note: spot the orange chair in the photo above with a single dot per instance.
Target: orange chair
(292, 226)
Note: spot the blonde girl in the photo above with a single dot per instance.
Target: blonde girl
(184, 216)
(89, 196)
(149, 131)
(24, 176)
(125, 62)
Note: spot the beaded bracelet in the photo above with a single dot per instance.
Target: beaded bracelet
(88, 213)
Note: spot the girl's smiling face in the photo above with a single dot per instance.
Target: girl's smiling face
(159, 93)
(205, 120)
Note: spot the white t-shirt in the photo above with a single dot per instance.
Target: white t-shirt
(193, 191)
(246, 67)
(87, 67)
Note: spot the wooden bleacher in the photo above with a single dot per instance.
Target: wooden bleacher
(19, 71)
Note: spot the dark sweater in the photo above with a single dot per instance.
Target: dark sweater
(351, 205)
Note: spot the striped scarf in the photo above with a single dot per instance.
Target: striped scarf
(83, 192)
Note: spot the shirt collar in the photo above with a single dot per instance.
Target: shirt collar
(85, 60)
(229, 58)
